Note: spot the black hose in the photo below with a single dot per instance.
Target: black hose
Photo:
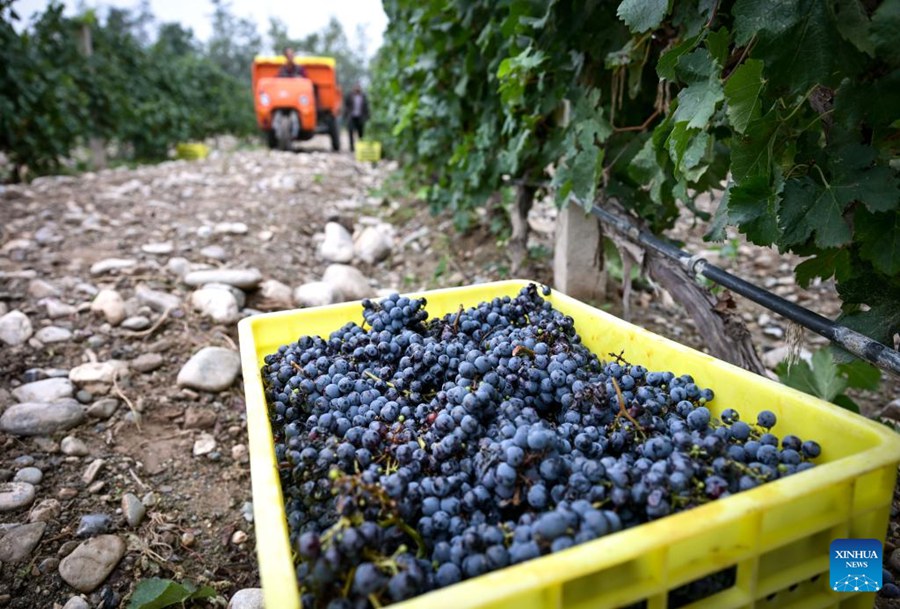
(858, 344)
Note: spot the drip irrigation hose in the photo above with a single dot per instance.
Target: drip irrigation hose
(856, 343)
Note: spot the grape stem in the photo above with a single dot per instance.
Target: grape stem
(522, 349)
(456, 321)
(622, 410)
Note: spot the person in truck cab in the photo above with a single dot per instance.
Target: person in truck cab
(291, 69)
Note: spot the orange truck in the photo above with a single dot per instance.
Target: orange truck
(292, 109)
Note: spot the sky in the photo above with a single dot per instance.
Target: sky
(301, 16)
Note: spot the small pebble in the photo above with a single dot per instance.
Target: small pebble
(31, 475)
(76, 602)
(239, 453)
(96, 487)
(92, 470)
(187, 539)
(149, 500)
(66, 548)
(67, 493)
(238, 538)
(23, 461)
(133, 509)
(93, 524)
(73, 446)
(84, 396)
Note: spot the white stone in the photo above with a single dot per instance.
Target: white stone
(41, 418)
(157, 300)
(218, 305)
(133, 509)
(275, 292)
(248, 598)
(15, 495)
(74, 447)
(204, 444)
(136, 323)
(316, 294)
(38, 288)
(57, 309)
(53, 334)
(15, 328)
(47, 390)
(111, 264)
(230, 228)
(111, 305)
(76, 602)
(337, 245)
(348, 281)
(246, 279)
(98, 372)
(178, 266)
(214, 252)
(165, 247)
(92, 562)
(211, 369)
(372, 245)
(18, 542)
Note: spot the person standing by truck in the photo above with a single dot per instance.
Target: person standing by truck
(356, 112)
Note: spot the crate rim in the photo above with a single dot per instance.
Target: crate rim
(274, 555)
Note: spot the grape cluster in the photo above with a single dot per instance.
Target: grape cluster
(417, 453)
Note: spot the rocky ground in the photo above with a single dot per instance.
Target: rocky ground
(123, 454)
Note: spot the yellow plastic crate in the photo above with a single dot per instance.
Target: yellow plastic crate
(191, 151)
(368, 150)
(776, 535)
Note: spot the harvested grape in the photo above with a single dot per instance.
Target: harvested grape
(415, 453)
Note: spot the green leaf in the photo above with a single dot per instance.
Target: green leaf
(846, 402)
(809, 207)
(642, 15)
(822, 379)
(751, 154)
(696, 67)
(645, 170)
(716, 231)
(742, 94)
(825, 264)
(753, 206)
(718, 43)
(880, 237)
(772, 16)
(697, 103)
(155, 593)
(885, 31)
(861, 375)
(665, 67)
(853, 24)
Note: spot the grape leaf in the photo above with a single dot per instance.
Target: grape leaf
(697, 103)
(753, 206)
(885, 31)
(827, 263)
(156, 593)
(821, 379)
(742, 94)
(875, 187)
(861, 375)
(716, 231)
(752, 153)
(880, 237)
(642, 15)
(880, 322)
(808, 207)
(853, 24)
(665, 67)
(696, 67)
(645, 170)
(752, 16)
(718, 42)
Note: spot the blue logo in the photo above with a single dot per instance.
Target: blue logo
(856, 565)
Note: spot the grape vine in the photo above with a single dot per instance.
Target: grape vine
(788, 107)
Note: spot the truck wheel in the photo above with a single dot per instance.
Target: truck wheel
(335, 131)
(281, 126)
